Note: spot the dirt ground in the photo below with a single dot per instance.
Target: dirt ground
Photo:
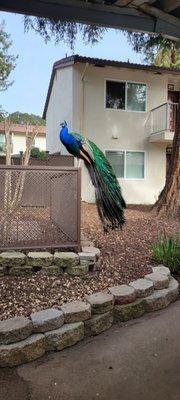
(125, 256)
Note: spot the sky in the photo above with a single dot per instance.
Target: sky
(34, 64)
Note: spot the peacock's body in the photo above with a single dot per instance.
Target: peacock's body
(109, 200)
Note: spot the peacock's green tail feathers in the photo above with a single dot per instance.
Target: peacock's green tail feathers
(109, 200)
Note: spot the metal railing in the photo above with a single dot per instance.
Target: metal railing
(161, 118)
(40, 207)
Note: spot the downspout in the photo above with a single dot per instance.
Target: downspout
(82, 108)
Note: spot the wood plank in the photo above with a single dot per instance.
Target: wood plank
(156, 12)
(169, 5)
(123, 3)
(143, 20)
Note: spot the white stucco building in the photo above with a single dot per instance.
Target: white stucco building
(18, 138)
(127, 109)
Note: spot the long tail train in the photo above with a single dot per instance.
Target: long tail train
(109, 200)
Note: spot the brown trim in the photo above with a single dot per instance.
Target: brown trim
(68, 61)
(38, 167)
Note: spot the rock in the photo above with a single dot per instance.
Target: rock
(100, 302)
(80, 270)
(52, 270)
(66, 336)
(173, 290)
(143, 287)
(161, 269)
(15, 329)
(91, 249)
(123, 294)
(66, 259)
(87, 256)
(97, 265)
(160, 281)
(76, 311)
(39, 258)
(98, 324)
(47, 320)
(21, 352)
(129, 311)
(86, 243)
(3, 271)
(21, 271)
(158, 300)
(12, 258)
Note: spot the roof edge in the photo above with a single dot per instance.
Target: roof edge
(73, 59)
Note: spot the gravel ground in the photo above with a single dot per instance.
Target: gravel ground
(125, 256)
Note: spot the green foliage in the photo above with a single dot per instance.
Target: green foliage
(23, 118)
(167, 251)
(37, 153)
(157, 50)
(7, 61)
(63, 31)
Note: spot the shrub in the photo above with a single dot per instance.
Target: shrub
(167, 251)
(37, 153)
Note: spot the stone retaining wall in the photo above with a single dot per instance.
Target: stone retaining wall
(16, 263)
(25, 339)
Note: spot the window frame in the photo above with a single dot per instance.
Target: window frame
(121, 109)
(130, 151)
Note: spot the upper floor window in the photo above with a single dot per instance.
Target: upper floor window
(126, 96)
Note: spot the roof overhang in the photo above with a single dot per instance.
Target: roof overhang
(153, 16)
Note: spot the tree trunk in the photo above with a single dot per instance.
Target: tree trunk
(168, 203)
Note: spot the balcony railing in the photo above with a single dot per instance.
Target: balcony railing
(162, 119)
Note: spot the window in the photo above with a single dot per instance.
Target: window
(134, 165)
(115, 95)
(116, 159)
(2, 142)
(126, 96)
(136, 96)
(127, 164)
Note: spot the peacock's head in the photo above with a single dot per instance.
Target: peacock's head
(63, 124)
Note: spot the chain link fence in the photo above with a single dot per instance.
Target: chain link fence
(39, 207)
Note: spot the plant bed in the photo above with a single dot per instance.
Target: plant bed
(125, 257)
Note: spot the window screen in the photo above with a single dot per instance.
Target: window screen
(134, 165)
(136, 96)
(116, 159)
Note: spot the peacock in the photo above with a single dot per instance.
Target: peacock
(109, 200)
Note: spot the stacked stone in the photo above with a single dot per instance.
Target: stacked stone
(26, 339)
(18, 264)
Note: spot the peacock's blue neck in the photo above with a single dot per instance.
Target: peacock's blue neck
(64, 135)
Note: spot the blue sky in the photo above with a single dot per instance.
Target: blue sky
(32, 73)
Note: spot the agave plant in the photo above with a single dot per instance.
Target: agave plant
(167, 251)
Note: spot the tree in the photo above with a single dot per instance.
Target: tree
(157, 50)
(7, 61)
(168, 202)
(13, 189)
(18, 117)
(63, 31)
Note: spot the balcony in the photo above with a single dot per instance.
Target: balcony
(160, 125)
